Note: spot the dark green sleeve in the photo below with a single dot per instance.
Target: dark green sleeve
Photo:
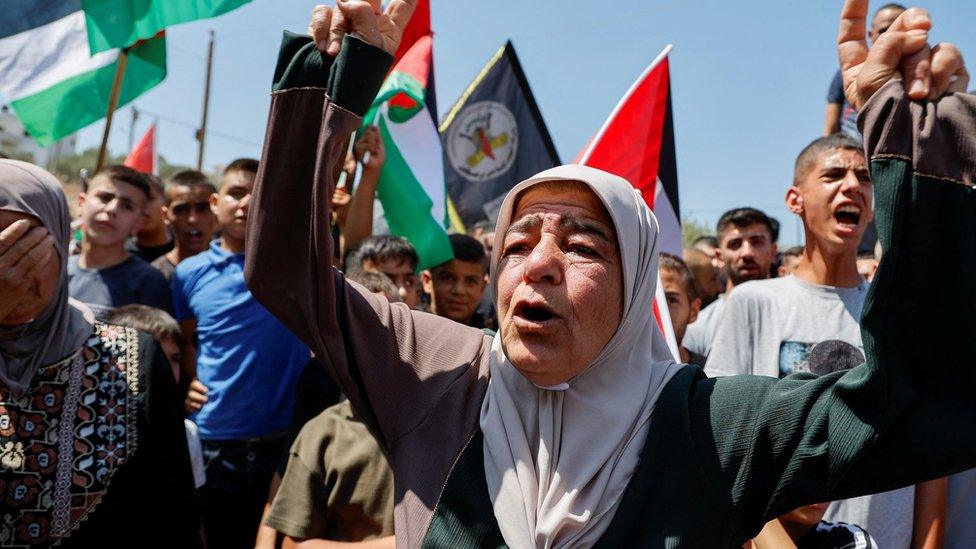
(907, 414)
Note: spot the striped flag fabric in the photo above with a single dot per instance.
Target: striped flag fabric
(143, 157)
(637, 143)
(49, 77)
(411, 183)
(121, 23)
(494, 137)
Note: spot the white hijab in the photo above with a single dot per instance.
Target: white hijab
(557, 460)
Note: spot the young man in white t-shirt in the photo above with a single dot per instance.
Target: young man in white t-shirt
(785, 325)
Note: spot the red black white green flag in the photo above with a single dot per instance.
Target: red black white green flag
(637, 143)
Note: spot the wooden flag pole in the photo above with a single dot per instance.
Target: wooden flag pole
(113, 101)
(202, 132)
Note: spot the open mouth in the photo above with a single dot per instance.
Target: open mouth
(534, 312)
(193, 233)
(848, 216)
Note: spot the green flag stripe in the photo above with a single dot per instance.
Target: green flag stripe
(72, 104)
(114, 24)
(408, 207)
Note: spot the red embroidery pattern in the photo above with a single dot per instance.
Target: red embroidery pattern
(62, 441)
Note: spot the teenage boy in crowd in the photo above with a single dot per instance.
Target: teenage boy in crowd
(393, 256)
(683, 302)
(104, 275)
(456, 286)
(153, 238)
(770, 327)
(746, 250)
(246, 364)
(190, 218)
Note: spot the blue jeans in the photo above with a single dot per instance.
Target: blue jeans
(238, 477)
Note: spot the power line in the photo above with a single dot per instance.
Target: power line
(194, 127)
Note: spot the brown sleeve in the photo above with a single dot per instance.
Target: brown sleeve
(937, 137)
(392, 363)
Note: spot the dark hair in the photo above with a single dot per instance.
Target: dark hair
(811, 153)
(126, 174)
(242, 165)
(743, 217)
(467, 249)
(382, 248)
(156, 184)
(889, 6)
(153, 321)
(374, 282)
(795, 251)
(189, 178)
(706, 239)
(675, 265)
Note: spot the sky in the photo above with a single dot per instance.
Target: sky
(749, 80)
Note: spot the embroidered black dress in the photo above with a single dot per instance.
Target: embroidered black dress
(94, 454)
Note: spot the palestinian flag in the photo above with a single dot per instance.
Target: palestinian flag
(118, 24)
(494, 137)
(411, 183)
(637, 143)
(49, 77)
(142, 157)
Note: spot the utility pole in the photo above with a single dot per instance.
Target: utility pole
(132, 126)
(202, 132)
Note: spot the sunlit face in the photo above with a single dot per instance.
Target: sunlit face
(111, 211)
(682, 308)
(455, 289)
(42, 283)
(402, 275)
(230, 205)
(747, 252)
(191, 218)
(560, 286)
(834, 199)
(154, 218)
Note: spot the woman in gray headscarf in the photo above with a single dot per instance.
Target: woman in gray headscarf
(572, 427)
(91, 432)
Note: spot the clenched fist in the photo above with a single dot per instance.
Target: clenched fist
(363, 19)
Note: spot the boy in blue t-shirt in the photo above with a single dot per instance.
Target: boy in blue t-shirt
(246, 366)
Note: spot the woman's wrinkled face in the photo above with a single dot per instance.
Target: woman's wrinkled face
(33, 290)
(560, 285)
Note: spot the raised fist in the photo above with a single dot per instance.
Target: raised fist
(928, 72)
(363, 19)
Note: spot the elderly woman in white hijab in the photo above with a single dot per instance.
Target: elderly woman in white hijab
(91, 434)
(573, 426)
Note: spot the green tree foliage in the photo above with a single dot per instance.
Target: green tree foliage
(691, 229)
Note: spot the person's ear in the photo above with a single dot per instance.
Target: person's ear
(794, 201)
(81, 200)
(214, 198)
(427, 281)
(695, 309)
(165, 212)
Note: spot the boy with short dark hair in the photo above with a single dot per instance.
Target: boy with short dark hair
(456, 286)
(104, 275)
(190, 218)
(393, 256)
(153, 238)
(683, 302)
(247, 366)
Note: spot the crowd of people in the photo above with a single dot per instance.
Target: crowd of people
(247, 361)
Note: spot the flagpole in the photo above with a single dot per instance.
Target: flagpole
(113, 102)
(202, 132)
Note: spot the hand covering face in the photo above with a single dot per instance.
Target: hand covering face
(557, 460)
(61, 328)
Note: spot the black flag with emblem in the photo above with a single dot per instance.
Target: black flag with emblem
(493, 137)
